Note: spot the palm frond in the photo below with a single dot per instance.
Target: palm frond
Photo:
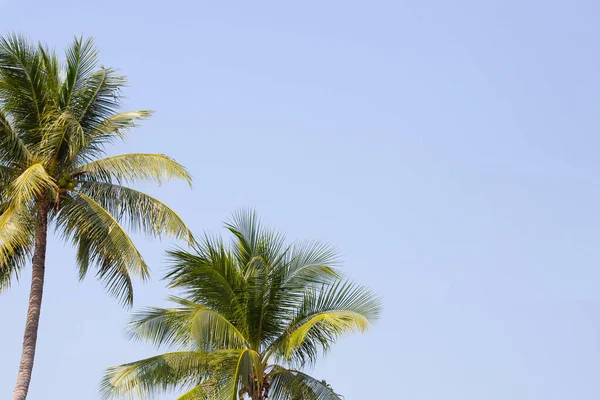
(189, 325)
(324, 316)
(129, 168)
(17, 229)
(105, 132)
(209, 276)
(82, 60)
(312, 262)
(22, 84)
(33, 184)
(210, 389)
(248, 376)
(294, 385)
(98, 97)
(140, 212)
(12, 149)
(165, 372)
(101, 241)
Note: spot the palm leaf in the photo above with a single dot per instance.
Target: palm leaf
(32, 185)
(248, 376)
(189, 324)
(82, 60)
(210, 277)
(12, 149)
(22, 84)
(139, 211)
(17, 230)
(165, 372)
(102, 241)
(134, 167)
(295, 385)
(324, 316)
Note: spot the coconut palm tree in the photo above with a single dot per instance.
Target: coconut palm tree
(251, 316)
(55, 120)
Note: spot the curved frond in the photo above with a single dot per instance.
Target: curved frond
(139, 211)
(22, 84)
(105, 132)
(207, 390)
(165, 373)
(12, 149)
(17, 229)
(312, 262)
(190, 325)
(248, 376)
(98, 98)
(208, 276)
(291, 385)
(324, 316)
(31, 185)
(102, 241)
(134, 167)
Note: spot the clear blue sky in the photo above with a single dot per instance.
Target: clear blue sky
(449, 149)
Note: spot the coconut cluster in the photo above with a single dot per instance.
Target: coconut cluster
(67, 182)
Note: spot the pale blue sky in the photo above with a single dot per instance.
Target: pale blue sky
(449, 149)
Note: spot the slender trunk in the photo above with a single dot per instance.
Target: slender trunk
(35, 305)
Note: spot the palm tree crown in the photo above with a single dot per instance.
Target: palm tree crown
(251, 316)
(55, 120)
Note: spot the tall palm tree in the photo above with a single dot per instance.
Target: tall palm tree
(55, 120)
(252, 315)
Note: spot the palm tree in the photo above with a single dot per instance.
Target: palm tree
(252, 316)
(55, 120)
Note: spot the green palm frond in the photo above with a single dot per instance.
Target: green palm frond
(51, 73)
(12, 149)
(16, 241)
(22, 84)
(103, 133)
(296, 385)
(115, 126)
(312, 262)
(166, 372)
(7, 174)
(98, 98)
(248, 376)
(325, 315)
(139, 211)
(130, 168)
(102, 241)
(211, 389)
(16, 231)
(81, 62)
(32, 185)
(210, 277)
(190, 324)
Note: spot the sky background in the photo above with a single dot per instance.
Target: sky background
(449, 149)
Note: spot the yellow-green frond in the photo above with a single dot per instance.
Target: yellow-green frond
(32, 185)
(190, 324)
(103, 242)
(248, 377)
(324, 315)
(17, 229)
(139, 212)
(134, 167)
(184, 369)
(332, 324)
(291, 385)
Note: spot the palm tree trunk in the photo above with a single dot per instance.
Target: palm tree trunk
(35, 305)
